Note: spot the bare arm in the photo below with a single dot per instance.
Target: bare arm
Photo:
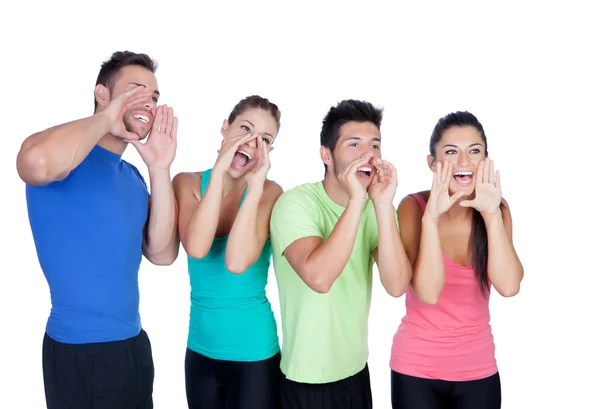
(421, 240)
(395, 270)
(319, 263)
(161, 242)
(251, 227)
(52, 154)
(504, 267)
(198, 216)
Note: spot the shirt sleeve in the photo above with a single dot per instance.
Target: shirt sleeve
(293, 217)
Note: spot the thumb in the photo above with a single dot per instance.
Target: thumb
(467, 203)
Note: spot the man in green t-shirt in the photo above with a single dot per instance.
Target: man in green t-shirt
(325, 237)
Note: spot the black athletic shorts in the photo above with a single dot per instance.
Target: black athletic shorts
(409, 392)
(115, 375)
(353, 392)
(219, 384)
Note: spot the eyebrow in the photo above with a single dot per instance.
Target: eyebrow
(358, 138)
(142, 85)
(470, 146)
(264, 133)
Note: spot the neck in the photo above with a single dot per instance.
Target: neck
(113, 144)
(232, 185)
(334, 190)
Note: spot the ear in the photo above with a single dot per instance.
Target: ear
(326, 156)
(431, 162)
(224, 127)
(102, 95)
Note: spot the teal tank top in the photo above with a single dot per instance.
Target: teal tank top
(230, 316)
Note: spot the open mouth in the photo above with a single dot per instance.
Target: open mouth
(463, 178)
(365, 172)
(241, 159)
(142, 118)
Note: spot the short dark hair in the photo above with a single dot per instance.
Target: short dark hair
(118, 60)
(255, 101)
(349, 110)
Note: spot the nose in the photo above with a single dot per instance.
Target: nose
(252, 143)
(463, 159)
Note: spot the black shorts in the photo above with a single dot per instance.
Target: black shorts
(218, 384)
(353, 392)
(115, 375)
(409, 392)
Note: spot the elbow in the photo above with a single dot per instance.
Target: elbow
(195, 250)
(397, 290)
(32, 166)
(428, 297)
(509, 290)
(236, 266)
(319, 285)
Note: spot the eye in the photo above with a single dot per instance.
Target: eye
(154, 99)
(375, 146)
(268, 142)
(475, 151)
(245, 128)
(451, 152)
(353, 144)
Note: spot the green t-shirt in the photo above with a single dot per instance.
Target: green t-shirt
(324, 335)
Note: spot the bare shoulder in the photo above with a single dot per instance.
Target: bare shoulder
(410, 205)
(187, 182)
(272, 190)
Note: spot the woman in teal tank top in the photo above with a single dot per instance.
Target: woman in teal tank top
(232, 357)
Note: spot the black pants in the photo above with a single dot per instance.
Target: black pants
(218, 384)
(409, 392)
(353, 392)
(115, 375)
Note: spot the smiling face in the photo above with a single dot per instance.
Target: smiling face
(255, 121)
(137, 119)
(356, 140)
(464, 148)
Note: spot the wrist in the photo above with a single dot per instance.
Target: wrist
(489, 217)
(428, 219)
(159, 171)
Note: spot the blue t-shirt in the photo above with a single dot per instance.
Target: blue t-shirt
(88, 231)
(230, 316)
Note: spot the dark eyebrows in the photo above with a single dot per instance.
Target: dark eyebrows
(358, 138)
(142, 85)
(470, 146)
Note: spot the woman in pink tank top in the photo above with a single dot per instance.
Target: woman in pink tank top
(458, 237)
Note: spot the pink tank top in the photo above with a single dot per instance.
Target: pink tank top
(451, 340)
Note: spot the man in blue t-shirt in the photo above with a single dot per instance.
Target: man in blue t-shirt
(92, 219)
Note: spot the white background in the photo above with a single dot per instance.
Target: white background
(528, 71)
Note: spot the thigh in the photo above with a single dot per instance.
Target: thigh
(117, 376)
(409, 392)
(480, 394)
(146, 369)
(201, 384)
(67, 372)
(350, 393)
(253, 385)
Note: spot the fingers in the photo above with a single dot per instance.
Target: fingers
(498, 184)
(137, 99)
(174, 128)
(447, 176)
(456, 196)
(486, 170)
(169, 121)
(479, 177)
(355, 164)
(492, 172)
(157, 119)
